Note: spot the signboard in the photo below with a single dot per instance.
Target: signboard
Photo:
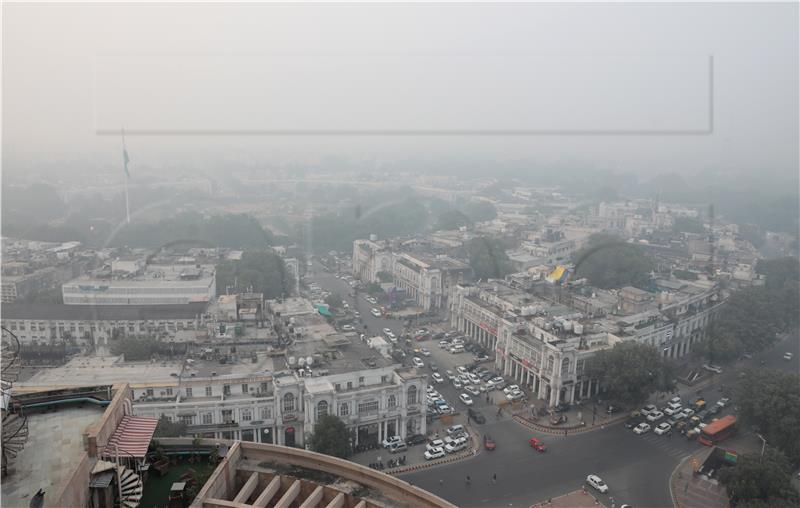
(488, 328)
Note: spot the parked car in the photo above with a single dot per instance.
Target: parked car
(723, 402)
(509, 389)
(415, 439)
(437, 377)
(455, 447)
(675, 400)
(633, 422)
(642, 428)
(455, 430)
(671, 410)
(537, 445)
(390, 441)
(648, 409)
(426, 352)
(473, 390)
(515, 396)
(466, 399)
(457, 383)
(398, 447)
(418, 363)
(434, 453)
(436, 443)
(662, 428)
(788, 356)
(688, 412)
(595, 482)
(655, 416)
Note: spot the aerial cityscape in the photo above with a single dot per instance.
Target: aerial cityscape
(400, 255)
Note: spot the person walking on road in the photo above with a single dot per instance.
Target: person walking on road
(494, 479)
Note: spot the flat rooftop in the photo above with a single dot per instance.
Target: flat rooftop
(348, 355)
(60, 311)
(109, 370)
(51, 454)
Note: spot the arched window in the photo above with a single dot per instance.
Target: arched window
(322, 409)
(288, 402)
(392, 402)
(412, 394)
(344, 409)
(550, 364)
(565, 367)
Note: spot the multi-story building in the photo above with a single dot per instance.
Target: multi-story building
(20, 285)
(49, 323)
(157, 285)
(369, 258)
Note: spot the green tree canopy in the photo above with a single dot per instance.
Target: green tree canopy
(452, 219)
(331, 437)
(609, 262)
(334, 301)
(478, 211)
(488, 258)
(756, 479)
(779, 272)
(630, 372)
(228, 230)
(769, 400)
(263, 271)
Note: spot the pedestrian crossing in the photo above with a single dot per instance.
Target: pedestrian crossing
(676, 446)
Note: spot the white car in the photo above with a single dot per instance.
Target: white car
(712, 368)
(597, 483)
(473, 390)
(425, 352)
(642, 428)
(392, 440)
(473, 379)
(648, 409)
(437, 377)
(654, 416)
(444, 409)
(466, 399)
(492, 383)
(457, 445)
(348, 328)
(434, 453)
(457, 383)
(450, 375)
(436, 443)
(669, 410)
(688, 412)
(461, 369)
(662, 428)
(375, 312)
(512, 388)
(418, 363)
(788, 356)
(515, 396)
(387, 331)
(675, 400)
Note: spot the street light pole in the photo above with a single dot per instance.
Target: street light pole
(763, 443)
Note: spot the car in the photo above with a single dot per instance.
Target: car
(473, 390)
(437, 377)
(595, 482)
(476, 416)
(418, 363)
(648, 409)
(434, 367)
(473, 379)
(515, 396)
(348, 328)
(509, 389)
(415, 439)
(461, 369)
(387, 331)
(481, 357)
(688, 412)
(675, 400)
(672, 411)
(435, 443)
(537, 445)
(397, 447)
(454, 430)
(712, 368)
(444, 344)
(488, 442)
(375, 312)
(457, 383)
(633, 422)
(456, 446)
(449, 374)
(612, 409)
(390, 441)
(662, 428)
(445, 409)
(788, 356)
(642, 428)
(702, 415)
(434, 453)
(426, 352)
(466, 399)
(486, 375)
(723, 402)
(655, 416)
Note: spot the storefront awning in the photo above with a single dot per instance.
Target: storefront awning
(132, 437)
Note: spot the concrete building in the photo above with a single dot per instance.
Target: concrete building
(158, 285)
(369, 258)
(50, 323)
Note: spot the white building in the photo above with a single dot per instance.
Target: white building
(159, 285)
(369, 258)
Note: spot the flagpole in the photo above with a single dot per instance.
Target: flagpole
(125, 162)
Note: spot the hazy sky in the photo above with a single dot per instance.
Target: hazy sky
(594, 83)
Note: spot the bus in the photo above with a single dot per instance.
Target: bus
(718, 431)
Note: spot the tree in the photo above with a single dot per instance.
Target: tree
(168, 428)
(629, 372)
(779, 272)
(488, 258)
(331, 437)
(384, 276)
(478, 211)
(452, 219)
(334, 301)
(261, 271)
(609, 262)
(769, 400)
(374, 288)
(757, 479)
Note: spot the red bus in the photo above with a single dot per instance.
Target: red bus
(718, 431)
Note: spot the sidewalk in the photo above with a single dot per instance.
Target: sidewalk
(576, 499)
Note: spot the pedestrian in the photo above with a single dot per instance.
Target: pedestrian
(441, 482)
(494, 478)
(565, 432)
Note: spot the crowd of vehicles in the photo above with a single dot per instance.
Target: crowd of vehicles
(693, 420)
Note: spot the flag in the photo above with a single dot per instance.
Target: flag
(126, 160)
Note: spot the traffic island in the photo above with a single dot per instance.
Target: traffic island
(690, 489)
(564, 430)
(576, 499)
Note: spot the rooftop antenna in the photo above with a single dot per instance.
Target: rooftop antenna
(125, 161)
